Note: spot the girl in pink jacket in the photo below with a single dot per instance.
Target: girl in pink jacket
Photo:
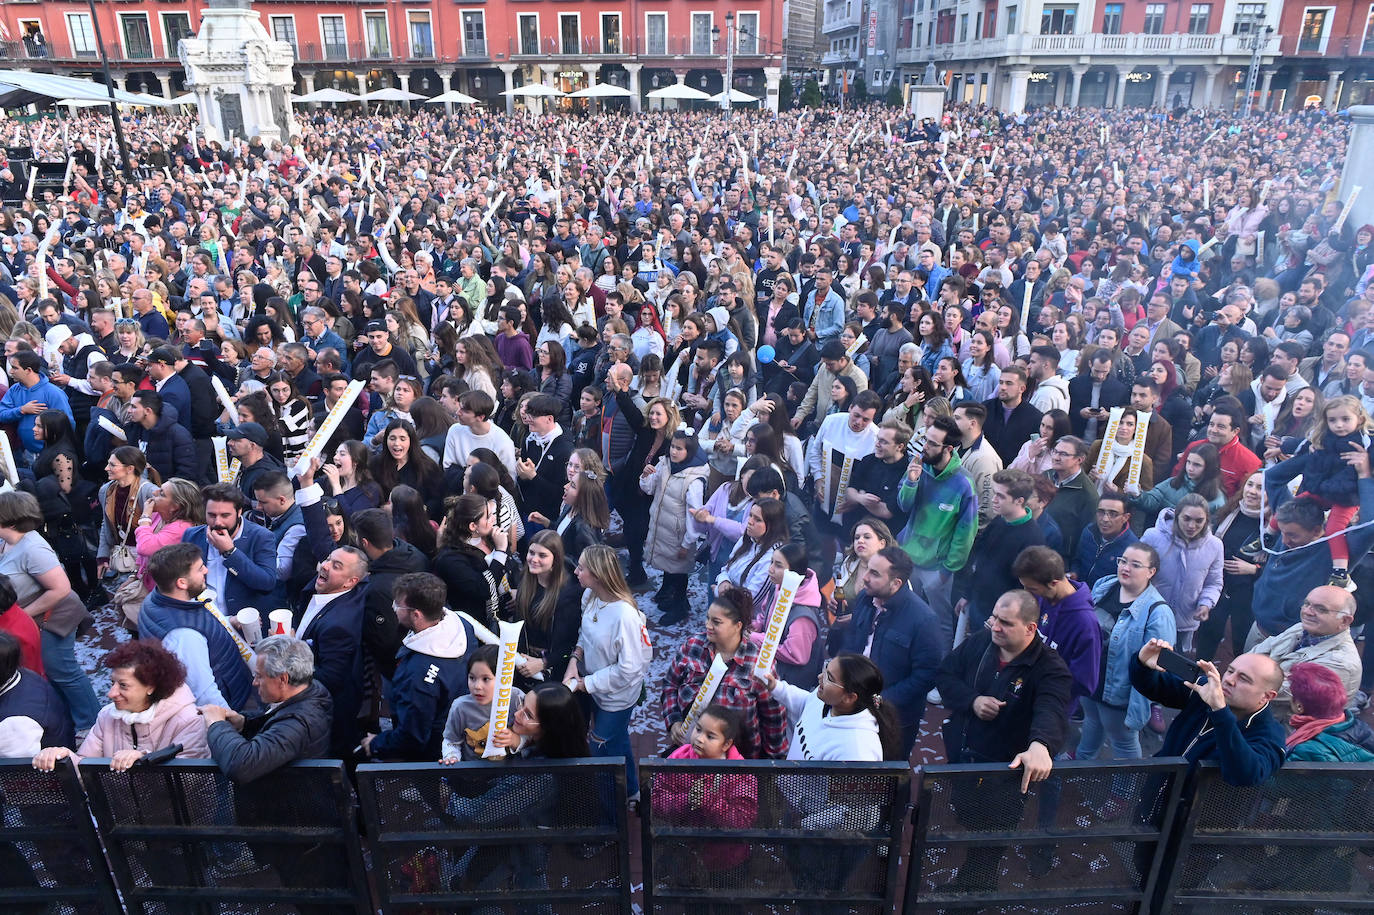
(715, 799)
(151, 708)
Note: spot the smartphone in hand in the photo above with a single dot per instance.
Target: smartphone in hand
(1179, 665)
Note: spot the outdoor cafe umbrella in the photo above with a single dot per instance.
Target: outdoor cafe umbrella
(602, 90)
(452, 96)
(681, 92)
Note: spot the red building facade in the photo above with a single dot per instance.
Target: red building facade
(481, 47)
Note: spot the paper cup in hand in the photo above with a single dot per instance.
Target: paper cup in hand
(250, 622)
(279, 622)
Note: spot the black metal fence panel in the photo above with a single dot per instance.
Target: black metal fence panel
(1089, 840)
(520, 838)
(182, 838)
(775, 837)
(1303, 842)
(50, 858)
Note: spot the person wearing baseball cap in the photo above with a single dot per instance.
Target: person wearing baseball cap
(248, 443)
(379, 347)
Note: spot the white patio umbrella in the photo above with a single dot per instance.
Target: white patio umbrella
(151, 101)
(392, 94)
(328, 94)
(680, 91)
(535, 90)
(64, 87)
(83, 102)
(735, 96)
(188, 98)
(602, 90)
(453, 96)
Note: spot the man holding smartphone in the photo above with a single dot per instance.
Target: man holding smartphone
(1225, 718)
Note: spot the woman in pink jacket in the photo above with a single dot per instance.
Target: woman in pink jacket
(175, 509)
(150, 708)
(800, 652)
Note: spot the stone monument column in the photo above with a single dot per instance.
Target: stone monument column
(240, 75)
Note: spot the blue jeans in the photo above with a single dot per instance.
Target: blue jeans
(66, 675)
(610, 736)
(1104, 722)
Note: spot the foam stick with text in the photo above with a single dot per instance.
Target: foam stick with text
(777, 624)
(506, 660)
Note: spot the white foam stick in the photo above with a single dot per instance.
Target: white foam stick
(223, 394)
(1207, 194)
(491, 210)
(506, 661)
(1264, 191)
(791, 160)
(743, 163)
(1116, 173)
(112, 427)
(707, 691)
(1025, 305)
(993, 160)
(892, 237)
(328, 427)
(945, 168)
(1210, 244)
(7, 460)
(648, 158)
(33, 178)
(777, 624)
(963, 169)
(67, 178)
(1345, 211)
(358, 220)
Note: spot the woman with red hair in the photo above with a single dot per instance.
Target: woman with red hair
(648, 336)
(1323, 731)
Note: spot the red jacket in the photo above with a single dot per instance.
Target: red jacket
(1237, 463)
(727, 801)
(20, 625)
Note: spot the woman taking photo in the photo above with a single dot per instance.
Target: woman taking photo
(1034, 456)
(1130, 611)
(549, 600)
(151, 708)
(611, 658)
(122, 501)
(1238, 526)
(1190, 564)
(763, 734)
(472, 559)
(44, 592)
(764, 531)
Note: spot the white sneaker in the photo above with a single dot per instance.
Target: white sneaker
(933, 697)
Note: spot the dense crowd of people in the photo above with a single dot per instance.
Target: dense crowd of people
(1044, 415)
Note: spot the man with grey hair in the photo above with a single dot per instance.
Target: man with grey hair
(295, 724)
(1321, 636)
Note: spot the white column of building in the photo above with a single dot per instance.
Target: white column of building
(1267, 77)
(1016, 89)
(592, 70)
(1333, 80)
(403, 79)
(165, 78)
(633, 70)
(1122, 71)
(1209, 84)
(119, 80)
(1164, 74)
(445, 78)
(508, 70)
(772, 77)
(1078, 74)
(548, 70)
(361, 76)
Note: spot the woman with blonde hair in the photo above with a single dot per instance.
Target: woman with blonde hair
(611, 658)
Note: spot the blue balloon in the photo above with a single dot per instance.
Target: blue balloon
(766, 353)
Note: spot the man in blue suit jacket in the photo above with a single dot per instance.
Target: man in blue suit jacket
(241, 556)
(329, 618)
(897, 631)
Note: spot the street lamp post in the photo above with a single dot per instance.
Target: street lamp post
(931, 75)
(729, 57)
(124, 165)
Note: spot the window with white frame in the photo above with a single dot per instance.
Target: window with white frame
(377, 34)
(569, 33)
(82, 34)
(610, 33)
(701, 34)
(1111, 18)
(1058, 20)
(283, 28)
(1368, 46)
(334, 35)
(420, 33)
(1199, 18)
(529, 33)
(1248, 18)
(747, 29)
(175, 26)
(1011, 20)
(1315, 22)
(474, 33)
(138, 39)
(1154, 18)
(656, 34)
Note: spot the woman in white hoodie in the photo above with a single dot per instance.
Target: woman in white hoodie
(844, 718)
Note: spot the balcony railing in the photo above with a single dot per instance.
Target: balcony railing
(672, 46)
(1183, 45)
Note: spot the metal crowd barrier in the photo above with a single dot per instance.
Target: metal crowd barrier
(1092, 834)
(50, 857)
(183, 838)
(1301, 842)
(763, 836)
(552, 837)
(510, 837)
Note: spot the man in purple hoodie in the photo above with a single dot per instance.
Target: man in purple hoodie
(1068, 621)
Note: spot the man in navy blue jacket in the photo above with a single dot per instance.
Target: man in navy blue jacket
(240, 556)
(329, 618)
(431, 671)
(1225, 719)
(897, 631)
